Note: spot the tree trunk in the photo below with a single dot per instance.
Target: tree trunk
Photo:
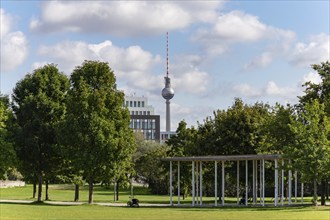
(90, 191)
(114, 190)
(76, 192)
(315, 193)
(39, 187)
(117, 191)
(34, 189)
(47, 191)
(327, 189)
(323, 192)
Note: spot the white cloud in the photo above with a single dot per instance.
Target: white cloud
(230, 28)
(237, 27)
(187, 77)
(6, 21)
(14, 46)
(261, 61)
(272, 89)
(317, 50)
(246, 90)
(132, 65)
(123, 18)
(312, 77)
(194, 82)
(268, 91)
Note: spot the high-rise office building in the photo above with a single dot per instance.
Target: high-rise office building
(143, 118)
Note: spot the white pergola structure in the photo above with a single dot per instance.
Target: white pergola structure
(258, 161)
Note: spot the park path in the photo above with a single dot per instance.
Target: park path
(81, 203)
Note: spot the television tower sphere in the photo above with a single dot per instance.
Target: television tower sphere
(167, 92)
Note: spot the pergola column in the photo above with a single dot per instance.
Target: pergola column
(290, 187)
(302, 193)
(171, 203)
(193, 183)
(246, 183)
(237, 185)
(200, 183)
(276, 184)
(223, 183)
(197, 184)
(215, 183)
(263, 182)
(253, 182)
(256, 181)
(295, 186)
(282, 185)
(260, 182)
(179, 183)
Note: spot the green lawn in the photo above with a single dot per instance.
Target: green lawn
(10, 211)
(66, 193)
(52, 212)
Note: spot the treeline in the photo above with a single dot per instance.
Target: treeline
(75, 128)
(299, 132)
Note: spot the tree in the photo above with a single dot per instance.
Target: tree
(321, 92)
(310, 153)
(7, 153)
(183, 144)
(149, 168)
(275, 130)
(39, 105)
(98, 136)
(238, 130)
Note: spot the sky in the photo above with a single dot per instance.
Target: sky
(259, 51)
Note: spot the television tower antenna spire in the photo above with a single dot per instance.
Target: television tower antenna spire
(167, 54)
(167, 92)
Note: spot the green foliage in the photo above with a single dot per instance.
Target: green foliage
(310, 152)
(320, 91)
(7, 153)
(182, 144)
(39, 105)
(96, 132)
(149, 168)
(233, 131)
(275, 130)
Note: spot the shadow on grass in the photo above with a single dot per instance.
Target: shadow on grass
(300, 208)
(37, 204)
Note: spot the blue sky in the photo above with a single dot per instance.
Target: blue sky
(218, 50)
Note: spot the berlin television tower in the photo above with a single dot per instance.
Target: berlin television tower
(167, 92)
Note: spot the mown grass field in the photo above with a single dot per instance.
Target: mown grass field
(11, 211)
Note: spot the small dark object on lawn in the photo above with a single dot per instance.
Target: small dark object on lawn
(133, 203)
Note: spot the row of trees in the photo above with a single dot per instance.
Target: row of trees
(77, 128)
(74, 127)
(300, 132)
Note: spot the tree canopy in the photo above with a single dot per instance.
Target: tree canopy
(97, 125)
(7, 153)
(39, 105)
